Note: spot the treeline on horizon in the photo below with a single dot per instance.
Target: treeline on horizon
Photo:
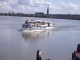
(59, 16)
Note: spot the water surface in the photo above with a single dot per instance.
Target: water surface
(55, 45)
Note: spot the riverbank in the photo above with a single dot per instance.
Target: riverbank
(58, 16)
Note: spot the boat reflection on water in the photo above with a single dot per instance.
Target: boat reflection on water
(36, 35)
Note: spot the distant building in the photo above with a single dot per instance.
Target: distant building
(48, 9)
(20, 13)
(39, 13)
(11, 12)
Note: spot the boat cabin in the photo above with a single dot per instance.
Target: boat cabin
(40, 23)
(37, 23)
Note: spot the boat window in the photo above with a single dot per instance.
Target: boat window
(36, 22)
(31, 22)
(42, 23)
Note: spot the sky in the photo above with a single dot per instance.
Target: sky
(32, 6)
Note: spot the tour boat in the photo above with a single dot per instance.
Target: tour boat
(36, 25)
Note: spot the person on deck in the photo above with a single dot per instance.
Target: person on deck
(26, 21)
(48, 24)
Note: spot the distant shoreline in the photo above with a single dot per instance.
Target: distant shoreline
(58, 16)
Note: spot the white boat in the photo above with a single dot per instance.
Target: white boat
(36, 25)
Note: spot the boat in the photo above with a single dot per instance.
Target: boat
(36, 25)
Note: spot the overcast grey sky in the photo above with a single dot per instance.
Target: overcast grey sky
(32, 6)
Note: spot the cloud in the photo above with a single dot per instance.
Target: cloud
(32, 3)
(69, 7)
(4, 0)
(31, 6)
(4, 6)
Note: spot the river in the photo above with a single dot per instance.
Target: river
(57, 44)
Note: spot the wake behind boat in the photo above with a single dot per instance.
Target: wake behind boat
(36, 25)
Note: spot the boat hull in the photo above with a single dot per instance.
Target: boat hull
(36, 29)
